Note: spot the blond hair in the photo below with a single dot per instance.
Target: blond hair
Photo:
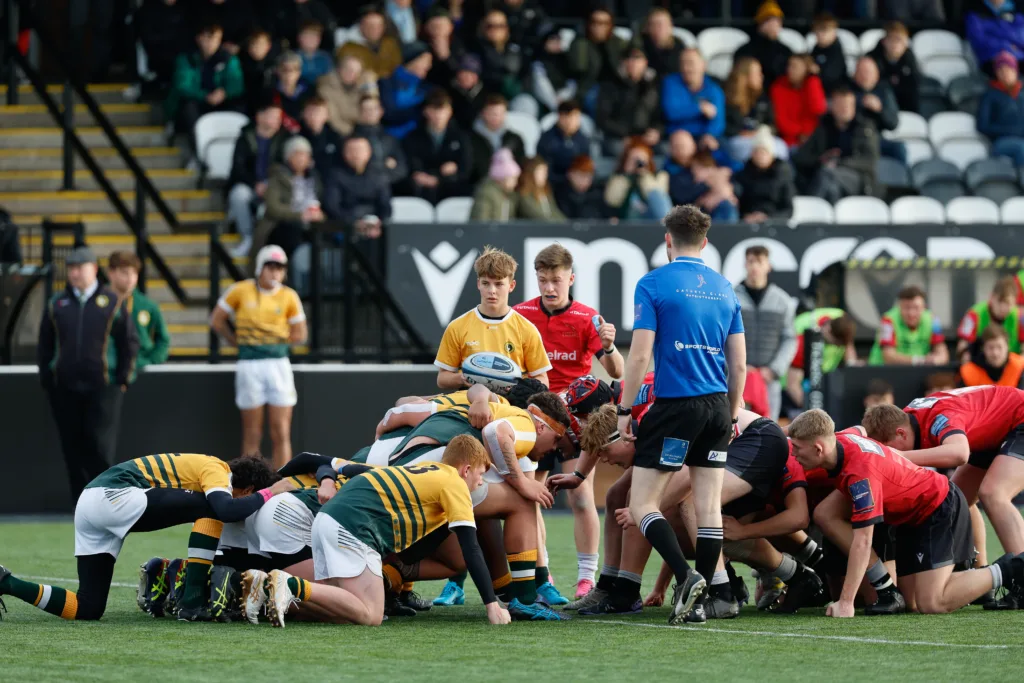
(601, 424)
(495, 263)
(465, 450)
(881, 422)
(553, 257)
(811, 425)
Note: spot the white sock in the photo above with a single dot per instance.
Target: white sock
(786, 569)
(719, 578)
(997, 576)
(586, 566)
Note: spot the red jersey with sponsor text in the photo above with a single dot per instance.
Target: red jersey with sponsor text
(985, 414)
(883, 486)
(792, 477)
(820, 482)
(644, 399)
(570, 339)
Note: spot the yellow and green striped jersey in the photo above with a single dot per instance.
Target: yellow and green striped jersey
(188, 471)
(459, 402)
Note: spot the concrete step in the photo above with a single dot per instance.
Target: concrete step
(169, 246)
(104, 93)
(95, 202)
(52, 159)
(197, 288)
(99, 224)
(189, 267)
(52, 136)
(165, 180)
(188, 335)
(37, 115)
(177, 314)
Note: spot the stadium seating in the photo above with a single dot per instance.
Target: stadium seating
(910, 210)
(215, 135)
(454, 210)
(794, 40)
(718, 44)
(965, 92)
(863, 210)
(528, 129)
(964, 210)
(689, 40)
(911, 126)
(993, 178)
(1012, 210)
(566, 35)
(963, 153)
(811, 210)
(411, 210)
(892, 173)
(935, 43)
(847, 40)
(946, 68)
(623, 32)
(951, 125)
(917, 151)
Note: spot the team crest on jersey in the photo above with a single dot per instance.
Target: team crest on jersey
(102, 300)
(143, 318)
(863, 501)
(940, 423)
(510, 348)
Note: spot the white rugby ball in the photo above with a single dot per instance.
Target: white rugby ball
(493, 370)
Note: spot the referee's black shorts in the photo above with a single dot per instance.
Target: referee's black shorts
(690, 431)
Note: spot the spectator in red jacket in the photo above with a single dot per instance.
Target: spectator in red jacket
(798, 99)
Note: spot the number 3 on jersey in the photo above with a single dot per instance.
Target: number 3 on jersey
(420, 469)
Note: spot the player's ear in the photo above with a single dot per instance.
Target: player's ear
(572, 279)
(512, 285)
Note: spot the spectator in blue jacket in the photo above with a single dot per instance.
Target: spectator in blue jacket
(404, 92)
(1001, 110)
(693, 102)
(994, 26)
(564, 141)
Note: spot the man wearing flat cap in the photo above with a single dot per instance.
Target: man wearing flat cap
(86, 357)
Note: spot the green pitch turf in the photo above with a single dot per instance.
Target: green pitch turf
(448, 644)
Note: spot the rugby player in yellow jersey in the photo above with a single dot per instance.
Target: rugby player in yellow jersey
(268, 318)
(147, 494)
(377, 513)
(492, 326)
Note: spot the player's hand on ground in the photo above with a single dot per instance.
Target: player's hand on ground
(480, 414)
(498, 615)
(326, 491)
(624, 517)
(840, 609)
(282, 486)
(626, 427)
(537, 492)
(732, 529)
(656, 598)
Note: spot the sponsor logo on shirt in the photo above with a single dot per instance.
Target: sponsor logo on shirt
(472, 343)
(713, 350)
(561, 355)
(860, 493)
(938, 424)
(717, 456)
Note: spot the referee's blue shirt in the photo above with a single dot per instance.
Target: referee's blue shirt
(692, 310)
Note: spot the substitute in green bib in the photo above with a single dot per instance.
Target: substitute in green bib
(910, 334)
(1000, 309)
(837, 329)
(154, 339)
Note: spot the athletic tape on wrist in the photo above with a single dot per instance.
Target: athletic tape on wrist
(266, 493)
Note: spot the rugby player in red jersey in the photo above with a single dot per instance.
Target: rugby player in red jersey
(573, 336)
(927, 514)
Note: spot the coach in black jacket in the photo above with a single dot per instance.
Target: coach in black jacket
(86, 357)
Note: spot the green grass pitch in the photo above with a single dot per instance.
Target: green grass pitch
(458, 644)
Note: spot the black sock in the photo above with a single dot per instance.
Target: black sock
(606, 582)
(543, 576)
(660, 535)
(627, 588)
(709, 548)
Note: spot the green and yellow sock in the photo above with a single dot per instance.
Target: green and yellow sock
(300, 588)
(202, 549)
(459, 579)
(408, 586)
(543, 576)
(392, 578)
(523, 568)
(502, 587)
(53, 599)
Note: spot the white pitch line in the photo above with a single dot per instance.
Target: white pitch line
(54, 579)
(777, 634)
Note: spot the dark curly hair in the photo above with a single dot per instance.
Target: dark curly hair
(551, 405)
(251, 472)
(525, 387)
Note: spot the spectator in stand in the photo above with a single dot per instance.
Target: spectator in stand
(1001, 110)
(838, 329)
(840, 158)
(994, 26)
(527, 22)
(467, 91)
(293, 199)
(766, 187)
(358, 194)
(764, 45)
(490, 133)
(564, 141)
(404, 92)
(660, 44)
(288, 15)
(747, 109)
(898, 66)
(595, 56)
(315, 62)
(1000, 310)
(536, 200)
(440, 154)
(798, 100)
(496, 199)
(630, 107)
(692, 183)
(164, 31)
(879, 392)
(379, 53)
(235, 17)
(637, 190)
(151, 330)
(403, 19)
(388, 156)
(290, 91)
(877, 103)
(910, 334)
(549, 73)
(259, 145)
(205, 80)
(768, 313)
(342, 89)
(438, 32)
(578, 197)
(828, 52)
(996, 364)
(503, 66)
(693, 102)
(257, 62)
(324, 140)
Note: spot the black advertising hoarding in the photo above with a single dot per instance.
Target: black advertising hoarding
(430, 267)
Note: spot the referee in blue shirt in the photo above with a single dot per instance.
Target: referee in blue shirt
(689, 317)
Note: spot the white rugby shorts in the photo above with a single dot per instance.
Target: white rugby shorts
(337, 554)
(284, 525)
(103, 517)
(264, 382)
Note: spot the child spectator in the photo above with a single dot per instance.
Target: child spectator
(496, 198)
(315, 62)
(996, 364)
(257, 61)
(747, 108)
(379, 53)
(577, 196)
(536, 201)
(342, 89)
(1001, 110)
(691, 182)
(549, 73)
(828, 51)
(290, 91)
(404, 92)
(765, 185)
(798, 99)
(564, 141)
(630, 106)
(637, 190)
(660, 44)
(764, 45)
(490, 133)
(879, 392)
(898, 66)
(693, 102)
(439, 153)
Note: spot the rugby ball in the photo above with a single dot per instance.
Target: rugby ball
(493, 370)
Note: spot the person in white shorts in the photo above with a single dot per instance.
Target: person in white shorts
(268, 319)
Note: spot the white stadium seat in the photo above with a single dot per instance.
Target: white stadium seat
(964, 210)
(720, 40)
(918, 150)
(951, 125)
(343, 35)
(411, 210)
(527, 128)
(719, 66)
(911, 126)
(454, 210)
(865, 210)
(566, 35)
(688, 39)
(623, 32)
(909, 210)
(794, 40)
(811, 210)
(216, 133)
(870, 38)
(1012, 210)
(847, 40)
(945, 68)
(934, 43)
(963, 153)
